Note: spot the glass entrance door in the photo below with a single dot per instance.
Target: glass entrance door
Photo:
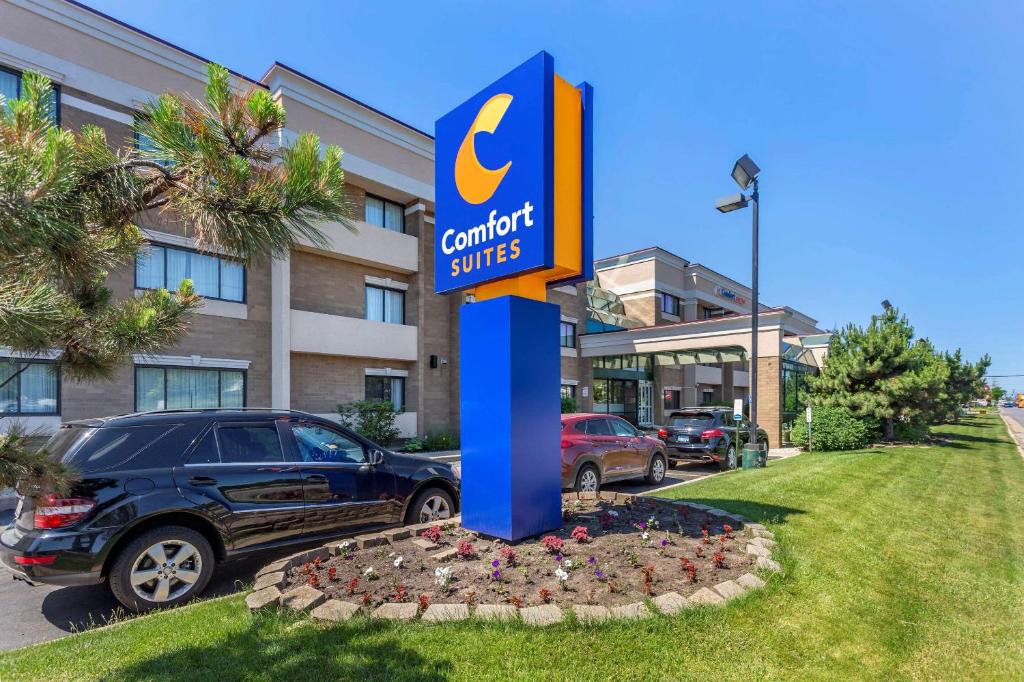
(645, 402)
(616, 396)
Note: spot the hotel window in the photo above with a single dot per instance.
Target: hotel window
(707, 396)
(568, 391)
(163, 267)
(384, 213)
(10, 88)
(387, 390)
(385, 305)
(567, 338)
(671, 398)
(173, 388)
(144, 143)
(710, 313)
(669, 304)
(29, 387)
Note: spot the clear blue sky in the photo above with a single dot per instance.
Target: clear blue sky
(888, 133)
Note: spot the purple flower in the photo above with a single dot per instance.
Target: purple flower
(592, 560)
(599, 574)
(350, 557)
(643, 525)
(495, 563)
(664, 543)
(496, 575)
(558, 558)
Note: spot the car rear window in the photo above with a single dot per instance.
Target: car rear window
(691, 419)
(109, 447)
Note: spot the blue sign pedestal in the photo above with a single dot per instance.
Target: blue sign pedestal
(510, 427)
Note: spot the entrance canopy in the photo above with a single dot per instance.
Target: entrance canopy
(702, 356)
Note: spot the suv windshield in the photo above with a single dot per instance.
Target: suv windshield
(691, 419)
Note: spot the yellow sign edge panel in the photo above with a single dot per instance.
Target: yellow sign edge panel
(568, 198)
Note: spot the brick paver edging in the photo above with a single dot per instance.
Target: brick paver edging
(273, 578)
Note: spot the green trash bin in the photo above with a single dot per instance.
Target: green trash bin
(756, 457)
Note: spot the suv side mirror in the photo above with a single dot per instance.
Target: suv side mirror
(375, 457)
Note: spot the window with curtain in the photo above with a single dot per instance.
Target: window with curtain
(169, 388)
(385, 305)
(387, 389)
(567, 335)
(384, 213)
(30, 387)
(10, 88)
(163, 267)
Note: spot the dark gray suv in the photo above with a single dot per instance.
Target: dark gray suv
(707, 434)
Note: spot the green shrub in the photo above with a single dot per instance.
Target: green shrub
(441, 440)
(413, 445)
(834, 428)
(912, 432)
(372, 420)
(568, 404)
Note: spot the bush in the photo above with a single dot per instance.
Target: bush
(413, 445)
(441, 440)
(912, 432)
(372, 420)
(568, 405)
(834, 428)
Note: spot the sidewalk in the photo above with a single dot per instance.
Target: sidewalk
(1016, 432)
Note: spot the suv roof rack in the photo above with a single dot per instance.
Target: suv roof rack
(193, 410)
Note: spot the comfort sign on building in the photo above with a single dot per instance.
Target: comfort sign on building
(511, 187)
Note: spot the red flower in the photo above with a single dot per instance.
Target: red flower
(465, 549)
(699, 551)
(719, 560)
(424, 601)
(366, 599)
(580, 534)
(352, 584)
(516, 602)
(401, 593)
(728, 530)
(433, 534)
(552, 543)
(544, 594)
(509, 555)
(332, 572)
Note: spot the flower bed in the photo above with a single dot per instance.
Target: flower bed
(611, 552)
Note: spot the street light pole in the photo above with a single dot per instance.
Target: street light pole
(755, 200)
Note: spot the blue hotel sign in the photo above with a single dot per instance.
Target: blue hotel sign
(493, 189)
(513, 217)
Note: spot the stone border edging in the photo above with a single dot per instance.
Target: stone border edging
(305, 598)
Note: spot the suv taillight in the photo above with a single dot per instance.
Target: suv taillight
(662, 433)
(711, 433)
(53, 511)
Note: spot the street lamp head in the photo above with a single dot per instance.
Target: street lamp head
(744, 171)
(731, 203)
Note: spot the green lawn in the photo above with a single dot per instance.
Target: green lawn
(899, 563)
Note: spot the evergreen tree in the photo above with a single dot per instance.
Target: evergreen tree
(966, 382)
(882, 373)
(68, 206)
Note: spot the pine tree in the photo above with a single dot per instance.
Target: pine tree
(68, 209)
(883, 373)
(966, 382)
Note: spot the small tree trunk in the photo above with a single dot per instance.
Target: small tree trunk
(890, 429)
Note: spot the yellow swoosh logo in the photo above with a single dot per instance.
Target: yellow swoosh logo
(476, 183)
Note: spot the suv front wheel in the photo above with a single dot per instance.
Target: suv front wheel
(162, 567)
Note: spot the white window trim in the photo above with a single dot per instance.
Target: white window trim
(51, 354)
(190, 361)
(167, 239)
(566, 318)
(387, 283)
(409, 210)
(672, 388)
(385, 372)
(570, 382)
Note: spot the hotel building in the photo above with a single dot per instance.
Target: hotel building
(359, 319)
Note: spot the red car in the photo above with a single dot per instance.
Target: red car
(601, 448)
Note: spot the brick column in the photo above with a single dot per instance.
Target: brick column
(769, 407)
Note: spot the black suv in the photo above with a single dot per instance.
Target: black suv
(163, 496)
(707, 434)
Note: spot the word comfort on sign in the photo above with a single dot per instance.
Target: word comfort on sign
(496, 241)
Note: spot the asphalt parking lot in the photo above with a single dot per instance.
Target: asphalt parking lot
(41, 613)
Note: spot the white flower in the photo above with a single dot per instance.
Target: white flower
(561, 575)
(612, 513)
(567, 564)
(345, 546)
(398, 562)
(645, 536)
(391, 555)
(369, 571)
(443, 576)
